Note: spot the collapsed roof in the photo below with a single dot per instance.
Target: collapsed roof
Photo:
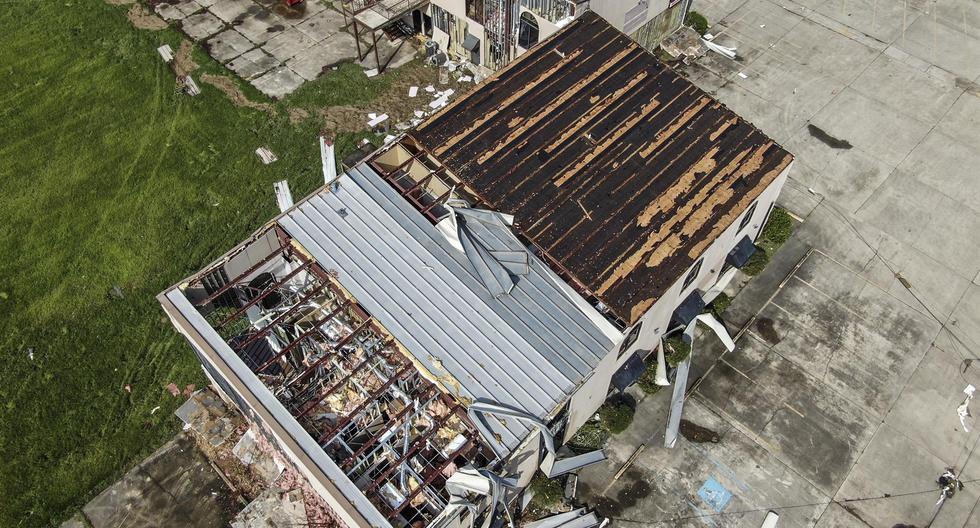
(621, 171)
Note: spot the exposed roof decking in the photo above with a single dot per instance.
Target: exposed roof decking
(528, 349)
(620, 169)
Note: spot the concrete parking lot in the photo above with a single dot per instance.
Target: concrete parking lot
(845, 386)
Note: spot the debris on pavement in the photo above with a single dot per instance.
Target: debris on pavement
(964, 409)
(949, 484)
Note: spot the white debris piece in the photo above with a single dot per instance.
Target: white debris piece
(266, 155)
(373, 72)
(964, 409)
(465, 78)
(166, 52)
(284, 197)
(419, 114)
(742, 75)
(430, 88)
(328, 160)
(389, 138)
(377, 120)
(191, 87)
(372, 115)
(709, 36)
(448, 92)
(718, 48)
(439, 102)
(413, 91)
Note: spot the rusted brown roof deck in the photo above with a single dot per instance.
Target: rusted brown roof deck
(618, 168)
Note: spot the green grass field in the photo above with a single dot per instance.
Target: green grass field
(110, 178)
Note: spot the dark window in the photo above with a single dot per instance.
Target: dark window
(474, 10)
(441, 18)
(748, 217)
(693, 274)
(630, 339)
(527, 36)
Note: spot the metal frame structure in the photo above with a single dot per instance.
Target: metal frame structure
(394, 433)
(375, 15)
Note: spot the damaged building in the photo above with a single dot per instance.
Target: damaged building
(426, 331)
(491, 33)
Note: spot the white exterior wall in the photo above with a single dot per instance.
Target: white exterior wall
(592, 393)
(657, 318)
(614, 11)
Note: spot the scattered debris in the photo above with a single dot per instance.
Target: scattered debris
(718, 48)
(827, 139)
(430, 88)
(273, 509)
(128, 388)
(166, 53)
(266, 155)
(263, 465)
(190, 87)
(188, 390)
(685, 43)
(376, 120)
(117, 292)
(419, 114)
(227, 85)
(413, 91)
(371, 73)
(949, 484)
(742, 75)
(964, 409)
(30, 354)
(155, 409)
(465, 78)
(142, 19)
(173, 389)
(284, 197)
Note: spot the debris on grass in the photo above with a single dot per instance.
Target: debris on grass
(173, 389)
(188, 390)
(155, 409)
(266, 155)
(190, 87)
(376, 119)
(166, 53)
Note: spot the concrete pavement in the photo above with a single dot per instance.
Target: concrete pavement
(846, 385)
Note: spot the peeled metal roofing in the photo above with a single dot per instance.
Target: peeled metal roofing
(528, 349)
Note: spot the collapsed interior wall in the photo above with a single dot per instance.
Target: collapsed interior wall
(392, 431)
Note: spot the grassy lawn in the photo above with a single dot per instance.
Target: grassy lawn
(109, 178)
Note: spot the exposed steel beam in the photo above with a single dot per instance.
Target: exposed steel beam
(258, 298)
(373, 396)
(231, 283)
(292, 344)
(272, 324)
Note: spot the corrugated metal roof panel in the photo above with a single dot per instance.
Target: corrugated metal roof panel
(528, 349)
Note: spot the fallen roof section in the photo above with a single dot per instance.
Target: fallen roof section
(619, 169)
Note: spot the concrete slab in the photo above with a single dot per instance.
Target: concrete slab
(232, 10)
(883, 20)
(907, 90)
(943, 163)
(835, 516)
(965, 322)
(201, 25)
(716, 10)
(311, 62)
(864, 175)
(762, 22)
(962, 120)
(177, 9)
(278, 83)
(322, 25)
(297, 14)
(261, 27)
(892, 464)
(253, 63)
(922, 217)
(173, 487)
(786, 408)
(776, 121)
(661, 488)
(932, 40)
(287, 44)
(926, 410)
(826, 51)
(962, 15)
(227, 45)
(871, 125)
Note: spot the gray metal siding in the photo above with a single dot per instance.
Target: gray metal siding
(529, 349)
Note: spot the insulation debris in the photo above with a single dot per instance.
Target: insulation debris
(266, 155)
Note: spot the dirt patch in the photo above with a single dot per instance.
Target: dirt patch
(394, 101)
(120, 2)
(698, 434)
(228, 86)
(143, 19)
(297, 115)
(183, 63)
(827, 139)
